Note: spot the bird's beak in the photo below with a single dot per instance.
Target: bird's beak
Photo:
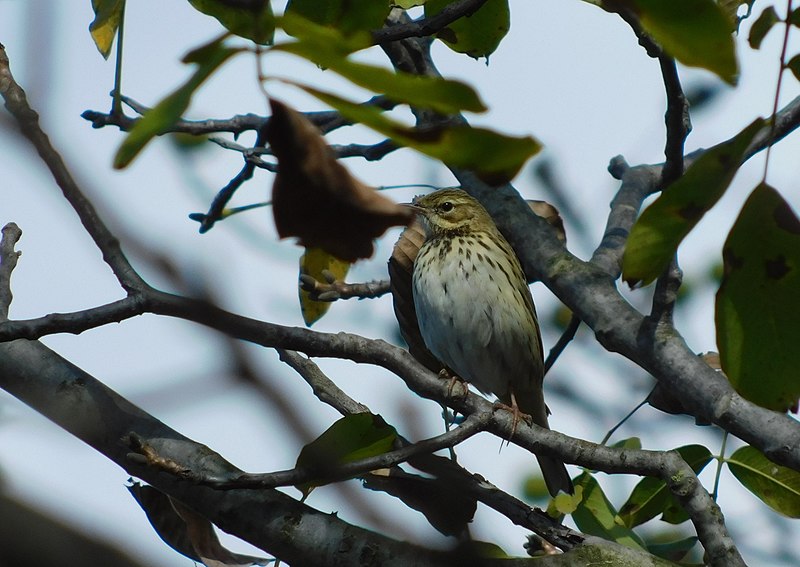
(417, 209)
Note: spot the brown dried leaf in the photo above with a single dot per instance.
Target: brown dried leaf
(185, 531)
(667, 400)
(549, 213)
(401, 268)
(316, 199)
(444, 504)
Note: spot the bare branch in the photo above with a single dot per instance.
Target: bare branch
(8, 261)
(16, 102)
(428, 26)
(335, 290)
(677, 120)
(323, 387)
(335, 472)
(565, 338)
(666, 294)
(370, 152)
(325, 120)
(268, 519)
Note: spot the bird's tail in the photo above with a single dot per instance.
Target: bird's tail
(555, 475)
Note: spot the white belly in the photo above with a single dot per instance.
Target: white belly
(485, 340)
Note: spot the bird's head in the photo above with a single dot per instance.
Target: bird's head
(451, 210)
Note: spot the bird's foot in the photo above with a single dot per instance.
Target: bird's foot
(454, 379)
(516, 414)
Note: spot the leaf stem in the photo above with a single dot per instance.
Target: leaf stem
(787, 25)
(720, 462)
(116, 108)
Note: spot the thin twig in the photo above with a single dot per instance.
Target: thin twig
(428, 26)
(323, 387)
(220, 201)
(666, 294)
(787, 26)
(16, 102)
(335, 290)
(678, 122)
(332, 472)
(563, 341)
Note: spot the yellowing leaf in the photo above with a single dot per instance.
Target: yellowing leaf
(758, 303)
(314, 262)
(775, 485)
(107, 14)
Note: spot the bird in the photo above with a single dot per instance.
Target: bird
(475, 311)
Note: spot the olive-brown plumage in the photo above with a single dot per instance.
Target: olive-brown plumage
(475, 310)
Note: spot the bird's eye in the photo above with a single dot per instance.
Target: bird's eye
(447, 206)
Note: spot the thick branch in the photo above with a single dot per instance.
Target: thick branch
(426, 384)
(268, 519)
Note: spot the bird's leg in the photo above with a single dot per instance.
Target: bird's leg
(516, 413)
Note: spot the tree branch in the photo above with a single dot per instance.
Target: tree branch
(324, 388)
(330, 472)
(679, 477)
(8, 261)
(335, 290)
(428, 26)
(268, 519)
(17, 104)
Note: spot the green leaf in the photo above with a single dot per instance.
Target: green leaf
(761, 27)
(794, 18)
(794, 66)
(324, 39)
(595, 515)
(775, 485)
(157, 120)
(563, 504)
(674, 550)
(441, 95)
(655, 237)
(757, 309)
(494, 157)
(256, 24)
(695, 32)
(314, 262)
(353, 437)
(488, 550)
(731, 8)
(346, 16)
(652, 497)
(630, 443)
(107, 14)
(476, 35)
